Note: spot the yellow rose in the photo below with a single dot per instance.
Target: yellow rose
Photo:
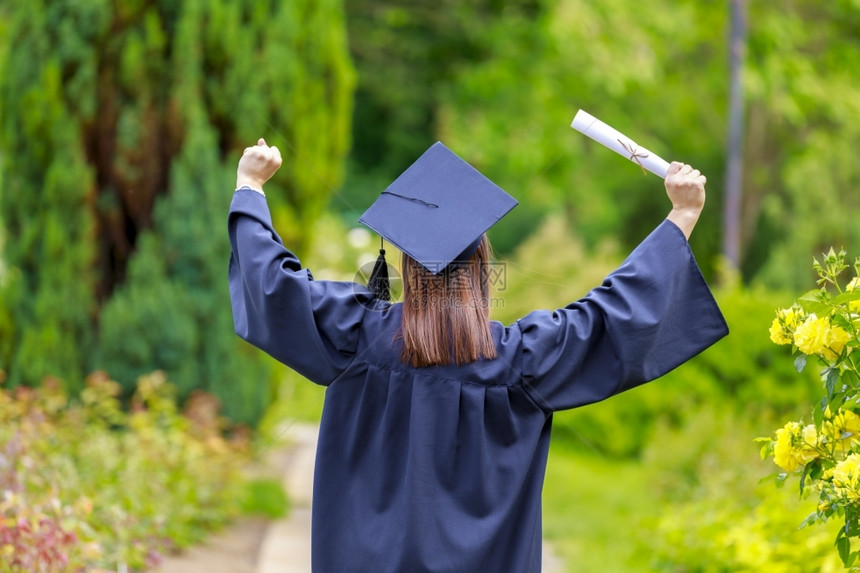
(778, 334)
(791, 450)
(844, 423)
(809, 449)
(854, 305)
(810, 336)
(836, 340)
(782, 450)
(784, 324)
(846, 477)
(816, 336)
(793, 316)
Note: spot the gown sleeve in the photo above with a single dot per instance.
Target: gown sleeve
(311, 326)
(649, 316)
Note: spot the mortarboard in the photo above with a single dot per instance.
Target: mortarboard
(437, 210)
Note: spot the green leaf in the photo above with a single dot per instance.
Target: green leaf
(803, 475)
(766, 448)
(773, 477)
(816, 471)
(800, 362)
(841, 321)
(830, 381)
(809, 520)
(815, 301)
(835, 403)
(850, 403)
(850, 380)
(813, 295)
(852, 527)
(846, 297)
(812, 470)
(843, 545)
(818, 413)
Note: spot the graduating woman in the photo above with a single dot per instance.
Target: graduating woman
(436, 424)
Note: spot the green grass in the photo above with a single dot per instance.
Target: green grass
(265, 497)
(595, 509)
(298, 400)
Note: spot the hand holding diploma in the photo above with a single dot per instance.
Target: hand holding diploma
(619, 143)
(684, 185)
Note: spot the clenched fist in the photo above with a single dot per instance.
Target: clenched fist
(686, 189)
(257, 165)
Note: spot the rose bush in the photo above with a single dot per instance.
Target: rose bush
(824, 325)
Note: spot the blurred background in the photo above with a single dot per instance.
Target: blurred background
(121, 123)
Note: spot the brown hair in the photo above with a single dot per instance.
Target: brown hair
(446, 316)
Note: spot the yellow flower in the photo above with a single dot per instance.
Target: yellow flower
(854, 305)
(810, 441)
(846, 477)
(778, 334)
(783, 453)
(784, 324)
(837, 338)
(844, 423)
(794, 446)
(816, 336)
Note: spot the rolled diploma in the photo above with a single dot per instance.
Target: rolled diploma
(619, 143)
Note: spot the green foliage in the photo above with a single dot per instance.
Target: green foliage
(594, 511)
(689, 503)
(574, 56)
(45, 206)
(120, 130)
(504, 98)
(551, 269)
(409, 55)
(803, 125)
(715, 518)
(87, 486)
(265, 497)
(501, 83)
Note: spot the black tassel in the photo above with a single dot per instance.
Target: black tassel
(378, 283)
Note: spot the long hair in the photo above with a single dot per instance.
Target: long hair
(446, 316)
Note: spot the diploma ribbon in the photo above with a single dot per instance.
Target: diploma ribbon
(635, 153)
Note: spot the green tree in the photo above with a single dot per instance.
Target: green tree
(47, 196)
(802, 178)
(121, 127)
(500, 84)
(661, 76)
(630, 68)
(408, 55)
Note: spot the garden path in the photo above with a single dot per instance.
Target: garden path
(283, 545)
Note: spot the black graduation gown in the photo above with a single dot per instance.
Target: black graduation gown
(441, 468)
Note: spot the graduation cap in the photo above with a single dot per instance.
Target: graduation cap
(436, 212)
